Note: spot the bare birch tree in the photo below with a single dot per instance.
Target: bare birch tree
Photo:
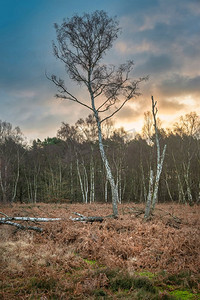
(154, 181)
(82, 41)
(188, 128)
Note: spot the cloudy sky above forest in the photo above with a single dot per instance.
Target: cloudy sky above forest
(162, 37)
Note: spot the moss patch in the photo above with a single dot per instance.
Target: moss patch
(90, 262)
(183, 295)
(146, 274)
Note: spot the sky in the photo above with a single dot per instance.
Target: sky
(162, 37)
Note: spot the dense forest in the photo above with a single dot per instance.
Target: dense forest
(68, 167)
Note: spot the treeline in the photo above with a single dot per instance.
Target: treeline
(69, 167)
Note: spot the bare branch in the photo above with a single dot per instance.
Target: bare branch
(60, 84)
(118, 109)
(108, 106)
(3, 214)
(130, 93)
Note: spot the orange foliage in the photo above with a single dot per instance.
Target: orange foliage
(127, 243)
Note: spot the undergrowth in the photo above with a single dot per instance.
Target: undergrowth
(117, 259)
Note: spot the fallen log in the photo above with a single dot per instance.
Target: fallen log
(83, 218)
(20, 226)
(30, 219)
(7, 220)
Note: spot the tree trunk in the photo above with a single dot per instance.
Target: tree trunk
(180, 185)
(143, 182)
(149, 197)
(91, 180)
(71, 182)
(186, 177)
(158, 173)
(168, 189)
(114, 189)
(85, 180)
(16, 180)
(80, 180)
(106, 191)
(151, 201)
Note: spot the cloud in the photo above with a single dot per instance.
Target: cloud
(157, 64)
(132, 111)
(169, 106)
(128, 47)
(179, 85)
(162, 37)
(126, 114)
(193, 6)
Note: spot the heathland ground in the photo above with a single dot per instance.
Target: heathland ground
(124, 258)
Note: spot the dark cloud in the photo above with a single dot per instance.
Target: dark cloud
(162, 37)
(179, 85)
(156, 64)
(192, 51)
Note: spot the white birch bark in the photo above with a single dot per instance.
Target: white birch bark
(149, 197)
(29, 219)
(85, 181)
(109, 176)
(8, 221)
(168, 189)
(16, 179)
(91, 180)
(71, 181)
(143, 182)
(106, 191)
(158, 173)
(3, 180)
(80, 180)
(2, 183)
(160, 160)
(186, 177)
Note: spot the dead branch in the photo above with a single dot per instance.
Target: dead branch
(20, 226)
(30, 219)
(133, 210)
(83, 218)
(75, 213)
(3, 214)
(175, 218)
(7, 221)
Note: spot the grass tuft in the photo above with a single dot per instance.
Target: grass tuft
(145, 284)
(122, 282)
(45, 284)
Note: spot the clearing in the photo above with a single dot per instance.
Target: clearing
(124, 258)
